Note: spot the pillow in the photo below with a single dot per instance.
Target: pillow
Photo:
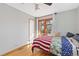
(56, 34)
(76, 37)
(77, 33)
(70, 34)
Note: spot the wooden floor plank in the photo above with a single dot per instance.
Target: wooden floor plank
(25, 51)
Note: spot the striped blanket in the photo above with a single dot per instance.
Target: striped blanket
(43, 43)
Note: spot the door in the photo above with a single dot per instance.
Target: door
(31, 31)
(45, 26)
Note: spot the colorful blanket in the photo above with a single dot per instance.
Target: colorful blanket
(66, 47)
(61, 46)
(56, 45)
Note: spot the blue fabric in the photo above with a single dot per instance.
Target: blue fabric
(66, 47)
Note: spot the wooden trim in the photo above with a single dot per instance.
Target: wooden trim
(45, 31)
(35, 28)
(39, 31)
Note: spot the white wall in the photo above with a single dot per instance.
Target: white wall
(66, 22)
(77, 20)
(13, 28)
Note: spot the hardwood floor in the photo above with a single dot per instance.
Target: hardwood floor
(26, 51)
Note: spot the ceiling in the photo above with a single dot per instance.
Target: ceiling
(44, 9)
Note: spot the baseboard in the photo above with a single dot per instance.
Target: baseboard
(14, 49)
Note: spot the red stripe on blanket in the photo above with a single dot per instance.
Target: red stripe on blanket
(43, 41)
(37, 46)
(44, 45)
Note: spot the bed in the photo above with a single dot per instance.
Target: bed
(60, 46)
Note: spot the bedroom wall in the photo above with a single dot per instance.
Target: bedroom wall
(13, 28)
(66, 21)
(77, 20)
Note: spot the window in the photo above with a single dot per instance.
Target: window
(45, 26)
